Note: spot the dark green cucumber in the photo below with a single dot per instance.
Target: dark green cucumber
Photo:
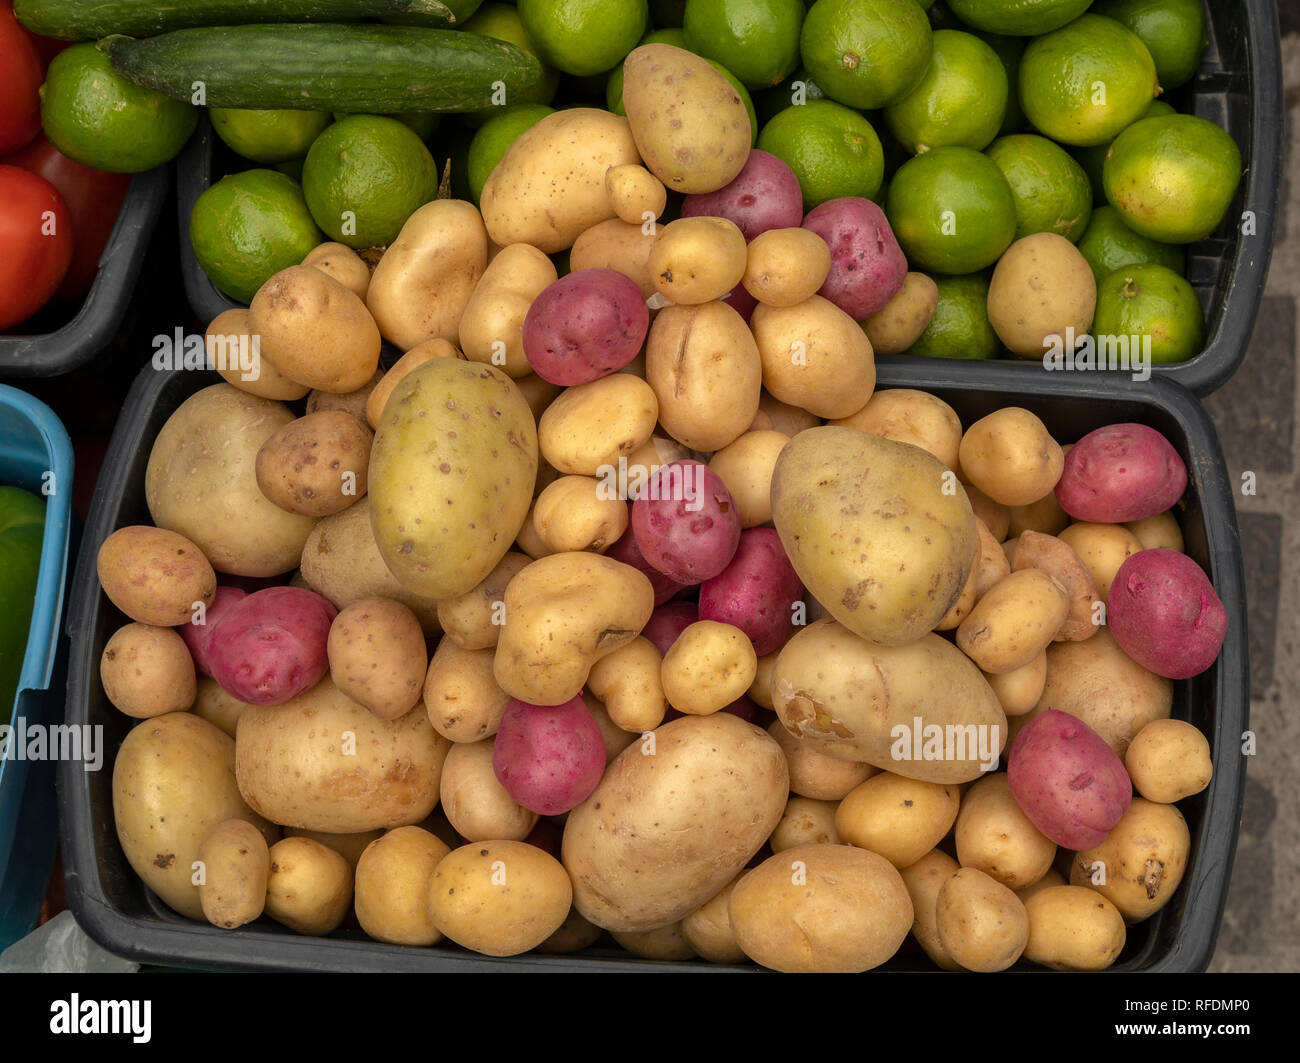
(355, 68)
(88, 20)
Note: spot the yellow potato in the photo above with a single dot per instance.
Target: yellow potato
(914, 417)
(155, 576)
(1169, 760)
(348, 846)
(1020, 689)
(615, 738)
(709, 666)
(461, 694)
(708, 929)
(1042, 288)
(411, 360)
(662, 943)
(353, 402)
(786, 266)
(236, 865)
(760, 690)
(310, 886)
(235, 351)
(899, 324)
(574, 935)
(473, 620)
(629, 683)
(996, 837)
(1102, 548)
(982, 924)
(996, 517)
(815, 357)
(1052, 878)
(786, 419)
(343, 264)
(147, 671)
(745, 467)
(377, 656)
(590, 426)
(1072, 928)
(1160, 531)
(924, 879)
(392, 886)
(1044, 516)
(213, 704)
(619, 245)
(1050, 555)
(991, 562)
(806, 822)
(697, 260)
(475, 802)
(579, 513)
(316, 465)
(813, 774)
(1140, 865)
(901, 819)
(1014, 622)
(1011, 457)
(965, 602)
(636, 194)
(491, 328)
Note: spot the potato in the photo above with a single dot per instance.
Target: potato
(348, 846)
(628, 682)
(745, 466)
(1140, 863)
(1020, 689)
(708, 929)
(499, 898)
(965, 602)
(1160, 531)
(708, 667)
(473, 620)
(377, 656)
(901, 819)
(235, 867)
(1169, 760)
(615, 738)
(675, 818)
(697, 260)
(636, 194)
(353, 402)
(310, 886)
(549, 757)
(1102, 548)
(1073, 929)
(474, 800)
(1052, 878)
(915, 417)
(1121, 472)
(574, 935)
(921, 710)
(899, 323)
(867, 265)
(271, 645)
(549, 187)
(991, 564)
(995, 836)
(476, 422)
(392, 887)
(155, 576)
(147, 671)
(1048, 554)
(815, 775)
(352, 770)
(213, 704)
(461, 695)
(588, 428)
(491, 328)
(343, 264)
(1046, 517)
(579, 513)
(835, 489)
(996, 517)
(316, 465)
(584, 326)
(982, 924)
(815, 357)
(411, 360)
(821, 908)
(764, 195)
(689, 124)
(758, 592)
(1042, 291)
(314, 330)
(616, 244)
(1014, 622)
(420, 288)
(173, 782)
(924, 879)
(235, 350)
(806, 822)
(342, 562)
(201, 483)
(563, 613)
(786, 266)
(1011, 457)
(662, 943)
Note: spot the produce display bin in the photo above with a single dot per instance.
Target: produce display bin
(96, 322)
(114, 907)
(34, 443)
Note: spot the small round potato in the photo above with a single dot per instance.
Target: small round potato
(475, 802)
(579, 513)
(914, 417)
(815, 357)
(1103, 548)
(786, 419)
(392, 886)
(590, 426)
(343, 264)
(1139, 866)
(155, 576)
(229, 343)
(148, 671)
(461, 694)
(620, 245)
(991, 561)
(629, 683)
(745, 467)
(491, 327)
(236, 868)
(353, 402)
(1073, 928)
(708, 929)
(377, 656)
(995, 836)
(899, 324)
(981, 923)
(499, 898)
(1049, 554)
(213, 704)
(1014, 622)
(1042, 287)
(310, 887)
(806, 822)
(473, 620)
(813, 774)
(636, 194)
(709, 666)
(1169, 760)
(697, 260)
(924, 879)
(316, 465)
(1158, 532)
(901, 819)
(786, 266)
(1011, 457)
(1019, 689)
(403, 367)
(664, 943)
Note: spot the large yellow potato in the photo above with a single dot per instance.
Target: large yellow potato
(676, 816)
(921, 710)
(451, 475)
(690, 125)
(879, 532)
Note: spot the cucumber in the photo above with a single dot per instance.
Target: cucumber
(366, 69)
(88, 20)
(457, 14)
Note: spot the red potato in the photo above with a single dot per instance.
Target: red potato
(1067, 780)
(764, 195)
(272, 645)
(584, 326)
(667, 622)
(549, 758)
(741, 301)
(1120, 473)
(198, 637)
(685, 522)
(756, 591)
(627, 551)
(1165, 614)
(867, 265)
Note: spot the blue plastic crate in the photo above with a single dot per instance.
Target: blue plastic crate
(34, 444)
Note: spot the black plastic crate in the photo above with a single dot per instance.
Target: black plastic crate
(115, 907)
(96, 322)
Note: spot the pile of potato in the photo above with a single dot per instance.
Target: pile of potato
(580, 620)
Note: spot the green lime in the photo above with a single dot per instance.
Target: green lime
(1085, 82)
(794, 91)
(1009, 50)
(833, 150)
(757, 40)
(291, 167)
(1019, 18)
(1050, 189)
(421, 123)
(1154, 303)
(249, 226)
(100, 119)
(495, 136)
(1172, 30)
(866, 53)
(960, 327)
(1108, 244)
(961, 100)
(1093, 158)
(952, 210)
(614, 86)
(364, 176)
(1173, 177)
(269, 136)
(584, 37)
(668, 12)
(502, 22)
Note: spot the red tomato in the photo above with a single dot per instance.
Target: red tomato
(93, 198)
(46, 47)
(35, 243)
(21, 75)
